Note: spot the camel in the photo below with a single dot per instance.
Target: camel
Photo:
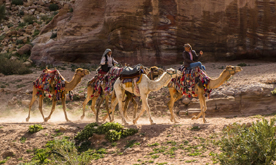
(79, 74)
(155, 72)
(199, 90)
(145, 86)
(129, 97)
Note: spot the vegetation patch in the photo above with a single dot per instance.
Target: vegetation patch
(8, 67)
(53, 7)
(248, 144)
(35, 128)
(17, 2)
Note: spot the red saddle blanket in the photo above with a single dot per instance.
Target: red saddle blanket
(44, 81)
(185, 84)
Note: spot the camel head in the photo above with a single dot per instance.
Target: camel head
(232, 69)
(155, 72)
(81, 72)
(173, 72)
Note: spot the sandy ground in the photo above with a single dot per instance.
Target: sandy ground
(13, 125)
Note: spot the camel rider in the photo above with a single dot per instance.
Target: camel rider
(191, 58)
(107, 60)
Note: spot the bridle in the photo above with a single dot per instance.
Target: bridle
(172, 73)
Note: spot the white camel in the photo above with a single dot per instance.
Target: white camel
(145, 87)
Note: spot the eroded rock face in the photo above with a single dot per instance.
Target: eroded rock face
(153, 31)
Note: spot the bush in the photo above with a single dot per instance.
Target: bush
(247, 145)
(2, 12)
(273, 92)
(113, 131)
(17, 2)
(242, 64)
(113, 135)
(8, 67)
(35, 128)
(53, 7)
(29, 19)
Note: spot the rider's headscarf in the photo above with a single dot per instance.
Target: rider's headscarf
(106, 51)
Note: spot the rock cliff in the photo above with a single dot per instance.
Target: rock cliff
(154, 31)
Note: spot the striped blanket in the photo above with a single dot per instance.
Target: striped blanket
(48, 77)
(190, 77)
(111, 77)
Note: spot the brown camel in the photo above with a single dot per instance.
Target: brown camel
(79, 74)
(199, 90)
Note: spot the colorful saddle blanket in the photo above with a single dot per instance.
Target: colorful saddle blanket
(48, 77)
(96, 81)
(190, 77)
(111, 77)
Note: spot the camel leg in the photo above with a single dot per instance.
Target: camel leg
(174, 97)
(113, 97)
(88, 98)
(64, 108)
(34, 97)
(129, 97)
(200, 97)
(145, 106)
(142, 111)
(120, 96)
(106, 107)
(204, 110)
(98, 108)
(54, 101)
(40, 106)
(135, 105)
(94, 100)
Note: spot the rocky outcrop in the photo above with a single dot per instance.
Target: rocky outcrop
(154, 31)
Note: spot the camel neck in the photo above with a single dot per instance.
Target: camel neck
(73, 83)
(215, 83)
(164, 80)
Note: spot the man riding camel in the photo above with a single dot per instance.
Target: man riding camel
(191, 58)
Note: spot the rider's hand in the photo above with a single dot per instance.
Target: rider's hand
(201, 52)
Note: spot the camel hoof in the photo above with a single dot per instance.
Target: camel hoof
(27, 119)
(194, 117)
(153, 123)
(82, 117)
(176, 121)
(126, 123)
(205, 121)
(134, 122)
(69, 121)
(46, 119)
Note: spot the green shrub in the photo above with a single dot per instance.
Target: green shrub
(87, 132)
(29, 19)
(273, 92)
(10, 25)
(2, 12)
(71, 10)
(113, 135)
(54, 35)
(247, 145)
(104, 128)
(53, 7)
(8, 67)
(2, 37)
(35, 128)
(17, 2)
(113, 131)
(129, 132)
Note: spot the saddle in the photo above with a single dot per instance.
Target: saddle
(130, 72)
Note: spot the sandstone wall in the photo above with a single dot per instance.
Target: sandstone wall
(154, 31)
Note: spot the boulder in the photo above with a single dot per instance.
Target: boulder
(24, 49)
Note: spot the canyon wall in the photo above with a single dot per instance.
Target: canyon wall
(152, 32)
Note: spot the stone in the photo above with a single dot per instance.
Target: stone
(24, 49)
